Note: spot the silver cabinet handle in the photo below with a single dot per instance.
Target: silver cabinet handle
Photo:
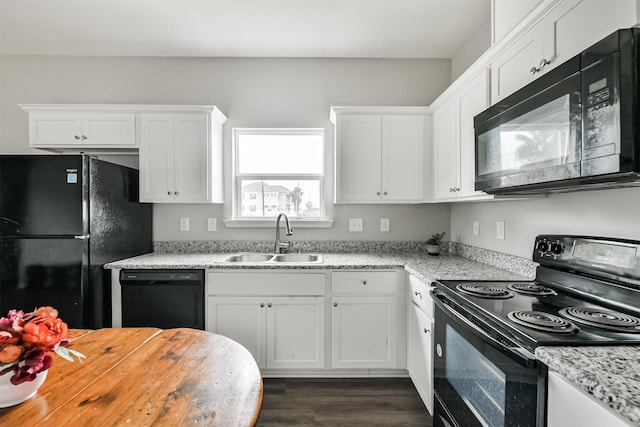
(269, 305)
(169, 192)
(377, 193)
(543, 63)
(426, 331)
(84, 136)
(77, 137)
(335, 304)
(176, 193)
(261, 304)
(385, 193)
(364, 282)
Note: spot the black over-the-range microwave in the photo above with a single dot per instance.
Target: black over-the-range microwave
(575, 128)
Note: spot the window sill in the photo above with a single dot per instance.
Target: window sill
(271, 222)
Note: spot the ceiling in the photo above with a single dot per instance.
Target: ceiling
(240, 28)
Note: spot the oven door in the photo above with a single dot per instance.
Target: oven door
(481, 378)
(532, 138)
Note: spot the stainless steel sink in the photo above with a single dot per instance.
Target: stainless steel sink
(305, 258)
(248, 258)
(275, 258)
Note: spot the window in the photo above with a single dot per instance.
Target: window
(282, 170)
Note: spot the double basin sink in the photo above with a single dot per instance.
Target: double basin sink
(275, 258)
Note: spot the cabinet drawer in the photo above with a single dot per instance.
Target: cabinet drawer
(265, 283)
(419, 294)
(363, 282)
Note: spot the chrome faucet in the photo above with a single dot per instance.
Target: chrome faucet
(282, 247)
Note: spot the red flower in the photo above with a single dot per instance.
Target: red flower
(44, 333)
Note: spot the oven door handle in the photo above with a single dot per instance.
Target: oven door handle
(520, 355)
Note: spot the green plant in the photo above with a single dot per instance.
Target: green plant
(436, 239)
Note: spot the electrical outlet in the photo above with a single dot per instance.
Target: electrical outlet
(384, 224)
(184, 224)
(355, 224)
(500, 230)
(476, 228)
(211, 224)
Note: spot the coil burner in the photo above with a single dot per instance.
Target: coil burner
(531, 289)
(542, 321)
(603, 319)
(483, 290)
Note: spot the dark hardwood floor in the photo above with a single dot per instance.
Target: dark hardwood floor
(342, 402)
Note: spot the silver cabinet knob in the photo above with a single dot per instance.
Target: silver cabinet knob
(377, 193)
(77, 137)
(426, 331)
(261, 304)
(335, 304)
(84, 137)
(176, 193)
(385, 193)
(269, 305)
(364, 282)
(169, 192)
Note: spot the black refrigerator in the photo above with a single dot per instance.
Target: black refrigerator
(62, 217)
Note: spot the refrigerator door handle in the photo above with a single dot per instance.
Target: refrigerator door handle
(84, 237)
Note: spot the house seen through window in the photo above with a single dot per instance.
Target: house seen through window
(279, 170)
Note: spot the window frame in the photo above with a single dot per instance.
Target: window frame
(238, 177)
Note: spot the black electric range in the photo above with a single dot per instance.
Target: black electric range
(586, 291)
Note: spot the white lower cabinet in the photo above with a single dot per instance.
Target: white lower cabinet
(363, 332)
(569, 406)
(420, 340)
(367, 320)
(280, 329)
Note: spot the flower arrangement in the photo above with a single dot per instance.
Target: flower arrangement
(26, 340)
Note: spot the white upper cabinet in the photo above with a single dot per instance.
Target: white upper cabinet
(58, 127)
(454, 141)
(379, 154)
(555, 34)
(181, 156)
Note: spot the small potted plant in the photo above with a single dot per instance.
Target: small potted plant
(434, 243)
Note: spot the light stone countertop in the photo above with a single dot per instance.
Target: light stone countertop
(427, 268)
(611, 374)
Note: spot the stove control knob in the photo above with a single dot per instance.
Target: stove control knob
(557, 248)
(543, 246)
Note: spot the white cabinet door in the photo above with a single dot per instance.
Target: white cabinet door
(295, 332)
(109, 129)
(570, 406)
(175, 158)
(516, 66)
(472, 100)
(191, 153)
(95, 130)
(363, 332)
(420, 356)
(403, 139)
(564, 27)
(358, 147)
(243, 319)
(156, 157)
(445, 151)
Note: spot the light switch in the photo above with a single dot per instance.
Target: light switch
(355, 224)
(184, 224)
(476, 228)
(211, 224)
(384, 224)
(500, 230)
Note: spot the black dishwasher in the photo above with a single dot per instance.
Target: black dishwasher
(162, 298)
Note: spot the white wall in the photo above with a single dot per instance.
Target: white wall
(610, 213)
(508, 13)
(471, 50)
(252, 92)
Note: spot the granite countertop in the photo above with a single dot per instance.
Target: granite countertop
(427, 268)
(611, 374)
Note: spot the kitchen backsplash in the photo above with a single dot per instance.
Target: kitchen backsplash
(513, 263)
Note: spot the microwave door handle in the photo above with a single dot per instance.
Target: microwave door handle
(521, 355)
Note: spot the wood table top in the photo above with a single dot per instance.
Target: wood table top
(146, 376)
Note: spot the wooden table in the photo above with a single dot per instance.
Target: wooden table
(146, 376)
